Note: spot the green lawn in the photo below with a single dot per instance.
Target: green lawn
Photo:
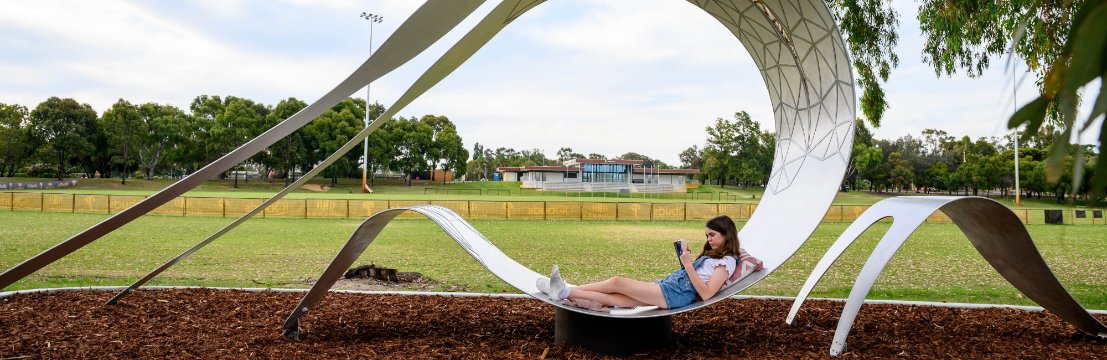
(937, 264)
(386, 189)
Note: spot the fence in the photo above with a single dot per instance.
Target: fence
(470, 209)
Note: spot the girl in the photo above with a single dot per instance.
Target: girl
(695, 280)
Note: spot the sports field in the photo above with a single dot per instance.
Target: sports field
(937, 264)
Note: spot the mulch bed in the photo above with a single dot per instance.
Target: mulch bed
(201, 323)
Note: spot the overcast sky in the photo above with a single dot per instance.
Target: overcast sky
(603, 76)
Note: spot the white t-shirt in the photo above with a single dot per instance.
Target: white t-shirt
(707, 268)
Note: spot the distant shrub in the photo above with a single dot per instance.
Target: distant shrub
(41, 170)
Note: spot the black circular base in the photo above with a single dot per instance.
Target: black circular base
(612, 336)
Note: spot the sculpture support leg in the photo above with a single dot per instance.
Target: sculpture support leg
(996, 233)
(612, 336)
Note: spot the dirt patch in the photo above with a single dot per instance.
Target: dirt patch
(406, 281)
(315, 187)
(200, 323)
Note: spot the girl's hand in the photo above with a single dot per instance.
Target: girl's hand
(685, 255)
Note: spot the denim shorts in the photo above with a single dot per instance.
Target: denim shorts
(677, 289)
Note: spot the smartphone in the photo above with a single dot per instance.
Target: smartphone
(679, 248)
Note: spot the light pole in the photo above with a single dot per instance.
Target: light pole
(1014, 106)
(373, 18)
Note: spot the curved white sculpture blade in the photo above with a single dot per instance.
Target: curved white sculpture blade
(994, 230)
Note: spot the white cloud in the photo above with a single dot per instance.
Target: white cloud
(599, 76)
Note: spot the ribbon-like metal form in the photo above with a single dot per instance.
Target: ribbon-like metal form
(993, 229)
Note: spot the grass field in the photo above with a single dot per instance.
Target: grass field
(937, 264)
(495, 191)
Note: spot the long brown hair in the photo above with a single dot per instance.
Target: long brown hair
(725, 226)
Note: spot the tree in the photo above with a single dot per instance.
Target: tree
(15, 144)
(240, 121)
(126, 130)
(329, 132)
(691, 158)
(938, 175)
(438, 125)
(166, 133)
(647, 161)
(63, 126)
(285, 155)
(453, 152)
(869, 27)
(867, 160)
(721, 149)
(382, 145)
(566, 154)
(1062, 43)
(413, 141)
(479, 166)
(751, 159)
(596, 156)
(900, 174)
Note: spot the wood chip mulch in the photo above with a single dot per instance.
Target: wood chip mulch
(223, 324)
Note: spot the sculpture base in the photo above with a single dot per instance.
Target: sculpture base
(612, 336)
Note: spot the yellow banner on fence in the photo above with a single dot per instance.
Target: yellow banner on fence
(239, 207)
(608, 211)
(697, 211)
(366, 208)
(635, 211)
(563, 210)
(461, 207)
(286, 208)
(27, 201)
(529, 210)
(204, 206)
(57, 202)
(469, 209)
(487, 210)
(119, 203)
(173, 207)
(326, 208)
(673, 211)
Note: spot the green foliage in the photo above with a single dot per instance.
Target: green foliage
(15, 140)
(64, 127)
(126, 130)
(869, 27)
(737, 150)
(1078, 62)
(41, 170)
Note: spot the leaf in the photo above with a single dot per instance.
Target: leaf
(1086, 46)
(1099, 179)
(1032, 114)
(1099, 108)
(1055, 164)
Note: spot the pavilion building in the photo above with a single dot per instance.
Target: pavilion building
(600, 175)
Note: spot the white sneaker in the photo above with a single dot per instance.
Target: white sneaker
(556, 285)
(543, 284)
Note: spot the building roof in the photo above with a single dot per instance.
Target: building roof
(538, 168)
(572, 162)
(666, 171)
(574, 165)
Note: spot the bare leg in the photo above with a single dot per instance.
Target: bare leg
(614, 299)
(620, 291)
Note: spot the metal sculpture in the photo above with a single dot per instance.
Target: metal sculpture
(994, 230)
(803, 61)
(794, 43)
